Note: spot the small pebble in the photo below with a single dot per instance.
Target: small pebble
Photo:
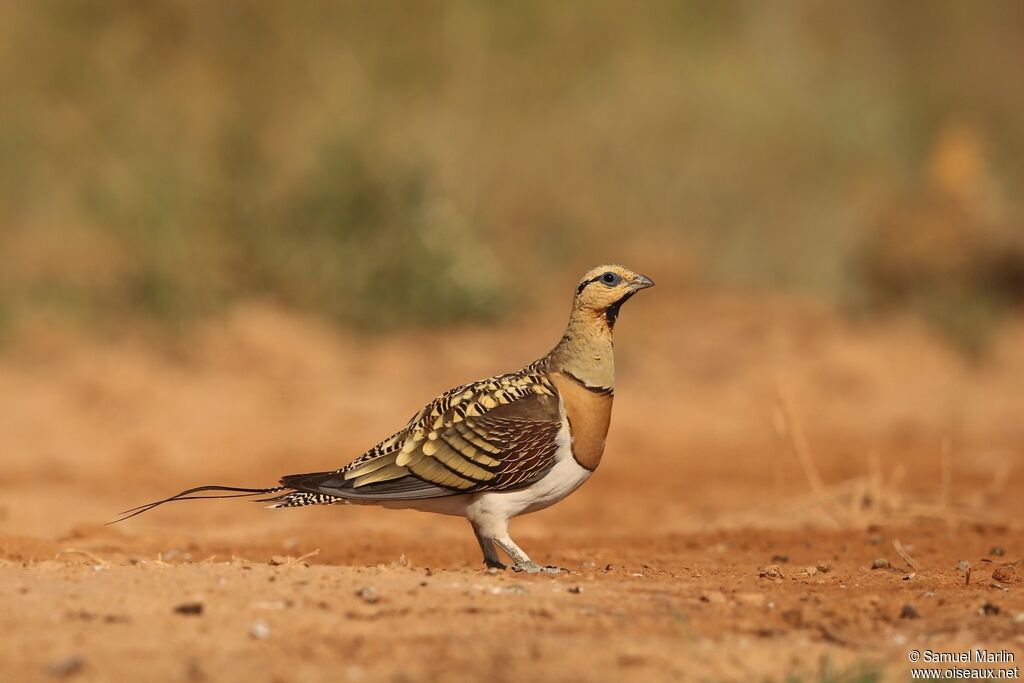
(369, 595)
(909, 612)
(997, 551)
(278, 560)
(880, 563)
(189, 608)
(823, 566)
(780, 559)
(989, 610)
(772, 571)
(1003, 575)
(259, 630)
(963, 566)
(876, 539)
(66, 666)
(194, 671)
(576, 589)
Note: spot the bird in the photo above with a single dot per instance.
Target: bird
(489, 450)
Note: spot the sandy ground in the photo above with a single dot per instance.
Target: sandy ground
(730, 534)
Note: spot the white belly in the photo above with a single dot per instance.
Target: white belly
(564, 477)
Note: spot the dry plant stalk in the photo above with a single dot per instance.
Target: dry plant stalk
(83, 553)
(789, 427)
(946, 461)
(872, 498)
(902, 552)
(308, 555)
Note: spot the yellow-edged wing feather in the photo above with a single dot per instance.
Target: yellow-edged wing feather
(495, 434)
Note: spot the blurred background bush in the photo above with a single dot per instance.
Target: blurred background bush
(412, 163)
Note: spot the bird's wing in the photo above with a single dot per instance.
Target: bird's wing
(497, 434)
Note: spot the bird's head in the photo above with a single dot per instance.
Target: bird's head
(602, 290)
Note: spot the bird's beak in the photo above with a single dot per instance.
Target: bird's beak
(642, 282)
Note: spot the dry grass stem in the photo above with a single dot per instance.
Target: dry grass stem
(789, 427)
(902, 552)
(84, 553)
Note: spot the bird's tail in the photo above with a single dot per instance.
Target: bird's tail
(235, 492)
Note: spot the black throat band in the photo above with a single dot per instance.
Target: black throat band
(611, 314)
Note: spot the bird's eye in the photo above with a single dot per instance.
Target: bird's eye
(611, 279)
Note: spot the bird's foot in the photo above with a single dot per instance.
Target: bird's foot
(534, 568)
(494, 566)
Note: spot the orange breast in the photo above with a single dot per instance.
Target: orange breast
(589, 413)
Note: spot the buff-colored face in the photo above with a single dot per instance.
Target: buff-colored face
(604, 288)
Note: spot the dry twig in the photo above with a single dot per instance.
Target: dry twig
(787, 425)
(84, 553)
(902, 552)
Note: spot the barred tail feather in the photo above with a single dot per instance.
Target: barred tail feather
(295, 499)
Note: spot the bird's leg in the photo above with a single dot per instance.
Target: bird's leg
(491, 558)
(491, 529)
(522, 561)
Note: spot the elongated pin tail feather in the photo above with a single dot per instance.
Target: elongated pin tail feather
(236, 492)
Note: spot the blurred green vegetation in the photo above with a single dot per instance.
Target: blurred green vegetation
(858, 672)
(392, 164)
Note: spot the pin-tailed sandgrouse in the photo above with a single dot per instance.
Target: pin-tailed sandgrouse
(493, 449)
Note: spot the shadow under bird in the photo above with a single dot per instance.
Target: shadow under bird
(493, 449)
